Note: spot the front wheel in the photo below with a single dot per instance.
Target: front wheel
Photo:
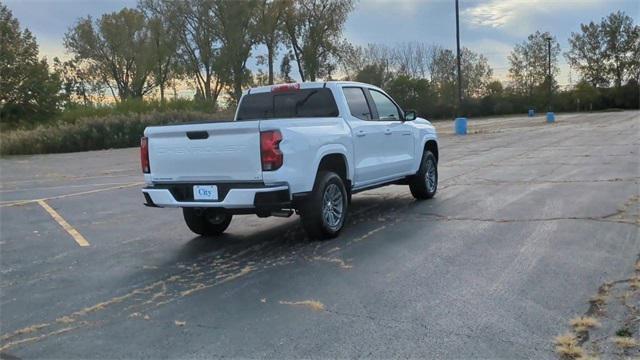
(424, 183)
(206, 222)
(324, 212)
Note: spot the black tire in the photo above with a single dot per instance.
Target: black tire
(328, 185)
(420, 186)
(206, 222)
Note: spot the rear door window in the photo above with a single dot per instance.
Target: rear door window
(305, 103)
(357, 102)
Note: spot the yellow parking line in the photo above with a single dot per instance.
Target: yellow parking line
(65, 225)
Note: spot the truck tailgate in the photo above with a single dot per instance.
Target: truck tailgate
(208, 152)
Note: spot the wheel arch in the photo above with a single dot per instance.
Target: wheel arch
(432, 145)
(336, 162)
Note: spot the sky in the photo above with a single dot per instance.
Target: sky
(490, 27)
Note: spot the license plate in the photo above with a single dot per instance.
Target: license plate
(205, 192)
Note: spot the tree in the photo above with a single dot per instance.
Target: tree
(285, 68)
(528, 63)
(495, 88)
(586, 94)
(621, 40)
(28, 91)
(373, 74)
(586, 54)
(476, 73)
(78, 82)
(375, 62)
(118, 48)
(313, 28)
(412, 93)
(413, 59)
(163, 43)
(237, 28)
(607, 52)
(352, 60)
(270, 30)
(443, 71)
(198, 43)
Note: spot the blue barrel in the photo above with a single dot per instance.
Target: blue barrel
(551, 117)
(461, 126)
(532, 113)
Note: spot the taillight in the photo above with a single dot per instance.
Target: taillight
(270, 150)
(144, 154)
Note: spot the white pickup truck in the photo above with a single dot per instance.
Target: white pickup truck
(303, 148)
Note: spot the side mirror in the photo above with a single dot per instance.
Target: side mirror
(410, 115)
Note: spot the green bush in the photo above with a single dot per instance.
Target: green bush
(75, 112)
(94, 133)
(132, 106)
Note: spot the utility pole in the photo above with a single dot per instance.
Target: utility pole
(549, 68)
(459, 67)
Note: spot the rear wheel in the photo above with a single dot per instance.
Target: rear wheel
(206, 222)
(325, 211)
(424, 183)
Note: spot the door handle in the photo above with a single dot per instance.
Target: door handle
(360, 133)
(387, 131)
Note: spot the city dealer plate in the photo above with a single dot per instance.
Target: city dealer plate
(205, 192)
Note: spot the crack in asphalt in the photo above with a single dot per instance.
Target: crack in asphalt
(484, 181)
(605, 218)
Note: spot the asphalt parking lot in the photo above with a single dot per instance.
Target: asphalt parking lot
(529, 221)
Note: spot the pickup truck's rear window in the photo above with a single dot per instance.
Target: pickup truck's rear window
(282, 105)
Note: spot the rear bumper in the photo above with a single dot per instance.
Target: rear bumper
(236, 196)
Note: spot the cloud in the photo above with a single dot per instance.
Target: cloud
(518, 15)
(493, 14)
(407, 6)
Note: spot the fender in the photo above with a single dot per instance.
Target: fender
(423, 142)
(329, 149)
(426, 138)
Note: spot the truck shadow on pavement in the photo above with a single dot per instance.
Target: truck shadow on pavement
(365, 211)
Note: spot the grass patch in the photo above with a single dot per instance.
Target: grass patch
(94, 133)
(566, 346)
(311, 304)
(623, 332)
(599, 300)
(624, 342)
(584, 323)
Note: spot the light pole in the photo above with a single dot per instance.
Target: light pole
(548, 38)
(460, 124)
(458, 60)
(550, 115)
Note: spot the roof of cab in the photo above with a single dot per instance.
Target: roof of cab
(307, 85)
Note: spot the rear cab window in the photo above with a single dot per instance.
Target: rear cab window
(357, 101)
(302, 103)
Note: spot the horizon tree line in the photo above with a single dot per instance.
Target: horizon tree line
(208, 44)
